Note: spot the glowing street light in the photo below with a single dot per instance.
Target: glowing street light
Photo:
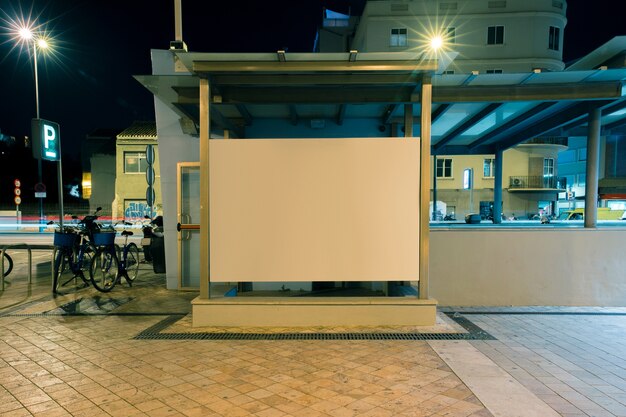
(436, 43)
(25, 33)
(40, 42)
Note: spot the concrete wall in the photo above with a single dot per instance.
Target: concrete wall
(174, 146)
(102, 182)
(572, 267)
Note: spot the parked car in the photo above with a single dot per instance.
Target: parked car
(473, 218)
(604, 213)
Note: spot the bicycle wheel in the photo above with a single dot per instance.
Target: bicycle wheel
(88, 253)
(60, 268)
(8, 264)
(131, 261)
(103, 271)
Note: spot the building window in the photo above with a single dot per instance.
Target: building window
(448, 6)
(395, 7)
(582, 154)
(135, 162)
(493, 71)
(488, 167)
(554, 38)
(448, 72)
(582, 179)
(444, 168)
(450, 35)
(548, 167)
(495, 35)
(399, 37)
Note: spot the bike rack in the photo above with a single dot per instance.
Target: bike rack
(30, 260)
(29, 248)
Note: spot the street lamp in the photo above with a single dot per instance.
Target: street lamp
(436, 42)
(26, 34)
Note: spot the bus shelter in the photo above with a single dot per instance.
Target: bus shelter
(283, 203)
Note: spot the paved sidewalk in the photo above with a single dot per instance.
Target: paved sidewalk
(79, 354)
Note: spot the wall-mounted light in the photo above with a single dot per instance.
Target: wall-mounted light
(353, 54)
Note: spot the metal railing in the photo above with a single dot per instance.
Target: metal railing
(548, 140)
(22, 246)
(521, 182)
(30, 261)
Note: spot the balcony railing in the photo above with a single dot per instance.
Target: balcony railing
(521, 182)
(548, 140)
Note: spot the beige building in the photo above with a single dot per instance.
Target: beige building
(529, 179)
(135, 163)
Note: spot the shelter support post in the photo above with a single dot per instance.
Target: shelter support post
(593, 163)
(408, 120)
(434, 216)
(426, 108)
(497, 187)
(205, 121)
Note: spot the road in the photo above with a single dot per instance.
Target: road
(10, 238)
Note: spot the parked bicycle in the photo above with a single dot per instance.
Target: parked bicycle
(74, 251)
(111, 262)
(128, 256)
(73, 255)
(104, 265)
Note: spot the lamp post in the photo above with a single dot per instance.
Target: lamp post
(40, 42)
(27, 36)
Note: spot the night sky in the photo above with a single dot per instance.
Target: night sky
(88, 83)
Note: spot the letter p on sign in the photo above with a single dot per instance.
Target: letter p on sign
(46, 140)
(49, 135)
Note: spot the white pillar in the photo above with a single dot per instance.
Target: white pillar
(205, 123)
(426, 105)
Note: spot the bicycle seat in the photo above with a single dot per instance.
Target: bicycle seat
(127, 233)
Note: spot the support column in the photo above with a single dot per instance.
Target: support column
(426, 105)
(497, 188)
(205, 123)
(408, 120)
(434, 216)
(593, 164)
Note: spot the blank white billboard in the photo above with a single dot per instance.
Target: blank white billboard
(314, 210)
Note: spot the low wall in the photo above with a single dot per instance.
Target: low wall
(510, 267)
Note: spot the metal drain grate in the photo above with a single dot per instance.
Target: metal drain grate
(312, 336)
(473, 333)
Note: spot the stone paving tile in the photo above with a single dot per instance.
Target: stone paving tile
(90, 365)
(580, 357)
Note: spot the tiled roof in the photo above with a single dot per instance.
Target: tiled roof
(139, 130)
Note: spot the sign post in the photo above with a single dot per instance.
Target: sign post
(150, 176)
(47, 145)
(18, 200)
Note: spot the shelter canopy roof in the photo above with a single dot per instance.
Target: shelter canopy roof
(472, 113)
